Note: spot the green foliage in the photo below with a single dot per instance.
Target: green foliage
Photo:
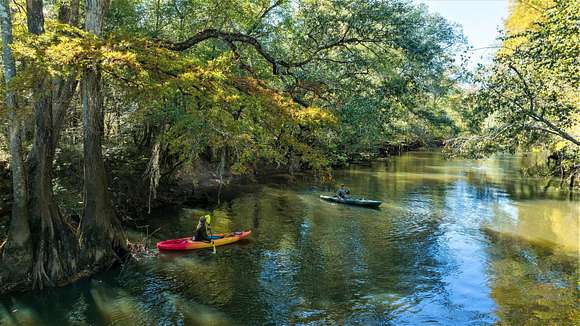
(528, 98)
(329, 79)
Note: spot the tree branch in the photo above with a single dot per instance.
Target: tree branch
(252, 41)
(230, 37)
(531, 111)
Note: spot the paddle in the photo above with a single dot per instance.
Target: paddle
(208, 223)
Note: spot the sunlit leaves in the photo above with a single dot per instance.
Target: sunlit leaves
(528, 98)
(367, 75)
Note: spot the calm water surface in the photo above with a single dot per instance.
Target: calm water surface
(456, 242)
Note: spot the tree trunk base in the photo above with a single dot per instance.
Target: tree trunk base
(24, 285)
(15, 262)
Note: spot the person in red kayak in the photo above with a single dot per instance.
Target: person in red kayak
(200, 233)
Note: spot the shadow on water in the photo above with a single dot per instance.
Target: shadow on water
(454, 242)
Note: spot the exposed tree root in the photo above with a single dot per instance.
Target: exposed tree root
(56, 255)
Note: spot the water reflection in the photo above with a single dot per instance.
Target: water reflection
(554, 223)
(455, 242)
(533, 285)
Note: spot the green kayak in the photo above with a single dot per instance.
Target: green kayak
(353, 201)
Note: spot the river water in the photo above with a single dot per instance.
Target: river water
(456, 242)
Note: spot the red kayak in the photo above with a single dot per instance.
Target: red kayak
(188, 244)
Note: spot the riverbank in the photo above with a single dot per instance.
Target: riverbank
(199, 183)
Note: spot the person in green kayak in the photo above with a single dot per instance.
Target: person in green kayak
(343, 192)
(200, 233)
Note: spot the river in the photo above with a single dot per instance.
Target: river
(455, 242)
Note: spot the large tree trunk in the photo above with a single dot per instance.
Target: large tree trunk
(63, 92)
(103, 239)
(69, 13)
(17, 256)
(55, 249)
(54, 241)
(64, 88)
(34, 16)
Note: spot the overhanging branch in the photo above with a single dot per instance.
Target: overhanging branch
(228, 37)
(539, 118)
(278, 66)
